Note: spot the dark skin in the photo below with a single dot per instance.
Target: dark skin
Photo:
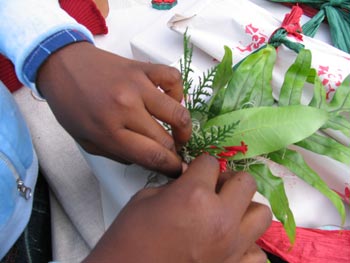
(201, 217)
(110, 105)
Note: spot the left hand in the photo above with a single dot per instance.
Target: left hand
(111, 105)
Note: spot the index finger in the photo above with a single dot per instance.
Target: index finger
(204, 170)
(168, 110)
(237, 193)
(166, 106)
(167, 78)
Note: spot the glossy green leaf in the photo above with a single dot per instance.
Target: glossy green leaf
(319, 99)
(223, 74)
(296, 164)
(338, 108)
(272, 188)
(224, 70)
(338, 122)
(268, 129)
(251, 81)
(341, 99)
(326, 146)
(295, 79)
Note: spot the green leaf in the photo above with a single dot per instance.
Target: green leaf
(326, 146)
(268, 129)
(296, 164)
(338, 122)
(295, 79)
(224, 71)
(223, 74)
(319, 99)
(272, 188)
(341, 99)
(251, 81)
(338, 108)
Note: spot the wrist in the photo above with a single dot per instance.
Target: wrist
(47, 48)
(64, 69)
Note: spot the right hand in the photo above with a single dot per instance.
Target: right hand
(200, 217)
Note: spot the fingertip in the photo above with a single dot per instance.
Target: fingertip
(184, 167)
(266, 215)
(167, 78)
(174, 84)
(173, 167)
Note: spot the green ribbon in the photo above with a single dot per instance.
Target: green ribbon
(280, 37)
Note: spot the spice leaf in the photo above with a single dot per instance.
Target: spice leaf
(295, 79)
(223, 74)
(294, 161)
(319, 99)
(268, 129)
(326, 146)
(340, 123)
(272, 188)
(341, 99)
(251, 81)
(338, 108)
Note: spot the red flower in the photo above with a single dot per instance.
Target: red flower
(223, 164)
(229, 151)
(243, 148)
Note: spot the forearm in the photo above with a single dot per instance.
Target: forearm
(27, 23)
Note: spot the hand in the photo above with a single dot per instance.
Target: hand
(196, 218)
(110, 104)
(103, 6)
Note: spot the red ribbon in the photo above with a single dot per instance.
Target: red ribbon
(311, 245)
(291, 22)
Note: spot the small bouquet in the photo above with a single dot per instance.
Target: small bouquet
(237, 119)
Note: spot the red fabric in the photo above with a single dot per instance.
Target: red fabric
(84, 11)
(87, 14)
(8, 75)
(308, 10)
(291, 22)
(311, 245)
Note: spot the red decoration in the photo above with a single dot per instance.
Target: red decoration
(229, 151)
(291, 22)
(163, 4)
(311, 245)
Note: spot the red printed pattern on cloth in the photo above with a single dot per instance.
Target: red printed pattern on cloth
(257, 39)
(330, 80)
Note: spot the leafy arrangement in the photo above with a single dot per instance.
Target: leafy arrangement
(237, 120)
